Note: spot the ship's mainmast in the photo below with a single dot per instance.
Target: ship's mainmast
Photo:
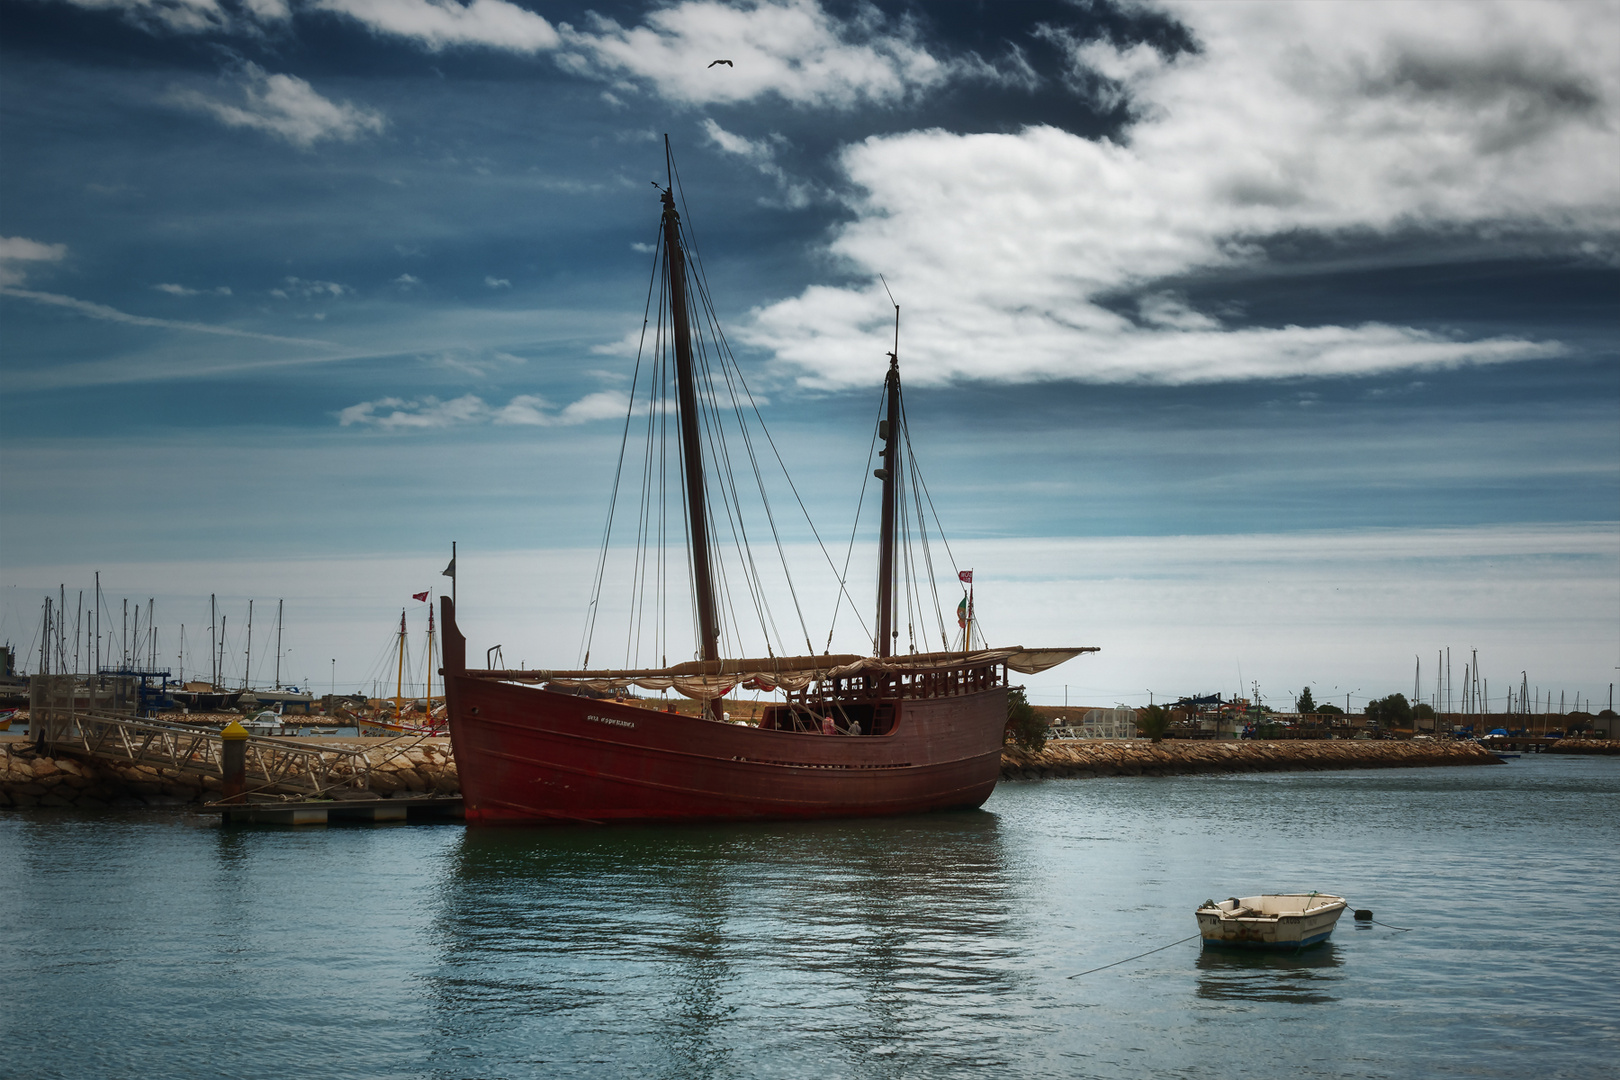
(691, 431)
(889, 432)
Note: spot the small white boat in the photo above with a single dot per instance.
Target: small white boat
(265, 723)
(1272, 921)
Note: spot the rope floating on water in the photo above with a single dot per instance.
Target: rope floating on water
(1402, 929)
(1138, 956)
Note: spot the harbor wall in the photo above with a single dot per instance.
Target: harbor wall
(1141, 757)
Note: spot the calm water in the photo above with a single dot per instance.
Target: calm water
(165, 946)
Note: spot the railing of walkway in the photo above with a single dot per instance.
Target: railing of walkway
(274, 766)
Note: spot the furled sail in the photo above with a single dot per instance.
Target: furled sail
(716, 678)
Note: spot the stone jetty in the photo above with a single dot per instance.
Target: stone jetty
(1141, 757)
(426, 766)
(398, 769)
(1607, 747)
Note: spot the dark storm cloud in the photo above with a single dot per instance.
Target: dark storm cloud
(1522, 94)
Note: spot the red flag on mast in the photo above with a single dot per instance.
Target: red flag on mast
(420, 595)
(965, 576)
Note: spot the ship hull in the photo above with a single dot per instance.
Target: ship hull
(532, 755)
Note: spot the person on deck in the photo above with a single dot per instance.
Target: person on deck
(828, 727)
(854, 727)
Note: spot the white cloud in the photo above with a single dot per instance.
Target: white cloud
(602, 405)
(790, 48)
(298, 287)
(497, 283)
(287, 107)
(179, 16)
(186, 290)
(17, 252)
(429, 412)
(405, 281)
(761, 153)
(1011, 253)
(268, 10)
(392, 413)
(440, 23)
(475, 363)
(111, 314)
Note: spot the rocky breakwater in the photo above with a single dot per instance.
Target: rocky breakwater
(29, 778)
(1609, 747)
(420, 768)
(1140, 757)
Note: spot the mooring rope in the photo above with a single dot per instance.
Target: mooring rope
(1138, 956)
(1402, 929)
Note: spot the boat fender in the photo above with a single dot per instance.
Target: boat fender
(1364, 915)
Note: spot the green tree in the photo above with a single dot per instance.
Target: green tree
(1329, 707)
(1025, 726)
(1153, 722)
(1307, 704)
(1423, 711)
(1390, 712)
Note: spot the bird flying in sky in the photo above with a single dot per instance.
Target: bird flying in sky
(728, 63)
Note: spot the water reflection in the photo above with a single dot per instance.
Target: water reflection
(675, 950)
(1303, 977)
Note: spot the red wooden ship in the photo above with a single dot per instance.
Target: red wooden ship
(850, 735)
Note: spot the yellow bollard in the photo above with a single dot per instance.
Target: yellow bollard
(233, 761)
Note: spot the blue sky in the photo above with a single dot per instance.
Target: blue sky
(1272, 339)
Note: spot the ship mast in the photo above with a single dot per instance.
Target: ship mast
(399, 687)
(889, 432)
(691, 443)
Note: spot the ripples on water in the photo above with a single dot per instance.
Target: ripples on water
(935, 946)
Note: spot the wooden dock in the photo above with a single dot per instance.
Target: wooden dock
(326, 811)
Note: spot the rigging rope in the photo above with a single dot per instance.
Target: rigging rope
(613, 498)
(714, 364)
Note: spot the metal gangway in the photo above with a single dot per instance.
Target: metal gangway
(275, 766)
